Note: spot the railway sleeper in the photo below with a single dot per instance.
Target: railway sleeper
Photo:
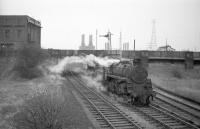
(169, 120)
(176, 124)
(116, 117)
(105, 108)
(105, 111)
(119, 122)
(157, 116)
(128, 127)
(114, 120)
(109, 112)
(113, 116)
(122, 125)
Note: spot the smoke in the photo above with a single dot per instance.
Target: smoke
(105, 62)
(79, 65)
(73, 63)
(94, 82)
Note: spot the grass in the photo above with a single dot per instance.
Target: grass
(175, 78)
(176, 73)
(7, 109)
(12, 94)
(44, 110)
(16, 95)
(6, 66)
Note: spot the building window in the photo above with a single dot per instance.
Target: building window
(7, 34)
(29, 37)
(19, 33)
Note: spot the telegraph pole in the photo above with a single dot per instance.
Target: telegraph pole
(120, 44)
(96, 38)
(134, 49)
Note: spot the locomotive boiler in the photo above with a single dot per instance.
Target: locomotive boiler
(129, 79)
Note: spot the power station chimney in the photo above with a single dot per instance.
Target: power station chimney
(90, 40)
(91, 46)
(83, 40)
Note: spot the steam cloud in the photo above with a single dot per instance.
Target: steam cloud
(79, 64)
(76, 63)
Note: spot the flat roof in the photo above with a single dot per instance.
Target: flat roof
(29, 19)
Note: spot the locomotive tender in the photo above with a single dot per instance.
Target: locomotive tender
(129, 79)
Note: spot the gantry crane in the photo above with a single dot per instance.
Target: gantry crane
(108, 36)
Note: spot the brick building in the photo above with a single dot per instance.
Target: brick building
(18, 31)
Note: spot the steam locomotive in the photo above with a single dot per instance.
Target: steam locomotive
(129, 79)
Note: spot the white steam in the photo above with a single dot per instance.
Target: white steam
(76, 63)
(94, 82)
(79, 64)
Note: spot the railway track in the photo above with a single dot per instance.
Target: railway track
(161, 118)
(107, 115)
(110, 116)
(187, 111)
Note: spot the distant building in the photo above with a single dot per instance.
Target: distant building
(18, 31)
(126, 46)
(82, 47)
(166, 48)
(90, 46)
(107, 46)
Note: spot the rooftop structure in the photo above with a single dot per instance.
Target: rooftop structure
(18, 31)
(166, 48)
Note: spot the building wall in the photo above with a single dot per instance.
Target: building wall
(33, 35)
(16, 30)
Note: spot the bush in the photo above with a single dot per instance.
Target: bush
(176, 73)
(7, 109)
(43, 111)
(27, 61)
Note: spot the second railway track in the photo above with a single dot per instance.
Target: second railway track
(178, 107)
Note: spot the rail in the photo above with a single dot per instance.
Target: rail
(111, 115)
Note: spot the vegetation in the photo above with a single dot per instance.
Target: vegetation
(176, 73)
(27, 62)
(177, 79)
(43, 111)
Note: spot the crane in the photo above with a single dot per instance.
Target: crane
(108, 36)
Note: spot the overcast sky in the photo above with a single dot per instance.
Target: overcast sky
(63, 21)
